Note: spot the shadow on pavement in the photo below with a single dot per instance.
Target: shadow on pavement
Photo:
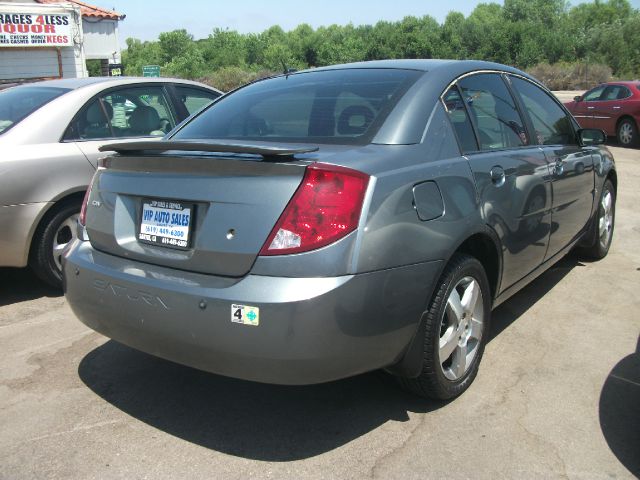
(20, 285)
(245, 419)
(620, 411)
(266, 422)
(516, 306)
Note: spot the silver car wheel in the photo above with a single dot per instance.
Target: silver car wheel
(66, 233)
(626, 133)
(605, 221)
(461, 328)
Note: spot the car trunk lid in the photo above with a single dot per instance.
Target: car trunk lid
(215, 210)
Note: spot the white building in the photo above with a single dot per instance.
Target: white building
(43, 39)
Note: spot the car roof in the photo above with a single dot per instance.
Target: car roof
(425, 65)
(626, 83)
(75, 83)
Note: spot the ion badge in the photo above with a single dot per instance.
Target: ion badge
(245, 314)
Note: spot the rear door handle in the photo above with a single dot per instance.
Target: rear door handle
(497, 176)
(617, 108)
(590, 108)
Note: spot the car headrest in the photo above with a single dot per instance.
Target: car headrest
(144, 119)
(354, 120)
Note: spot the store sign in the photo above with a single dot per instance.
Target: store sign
(115, 69)
(34, 30)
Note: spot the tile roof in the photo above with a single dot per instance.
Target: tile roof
(90, 10)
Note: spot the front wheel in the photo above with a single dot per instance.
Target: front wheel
(603, 224)
(627, 133)
(457, 325)
(57, 231)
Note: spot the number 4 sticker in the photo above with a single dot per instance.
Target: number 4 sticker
(245, 314)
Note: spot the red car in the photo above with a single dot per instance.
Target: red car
(613, 107)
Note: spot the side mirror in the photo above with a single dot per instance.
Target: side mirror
(591, 136)
(577, 98)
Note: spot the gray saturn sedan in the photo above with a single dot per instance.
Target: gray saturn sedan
(321, 224)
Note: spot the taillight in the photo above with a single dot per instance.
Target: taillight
(82, 219)
(325, 207)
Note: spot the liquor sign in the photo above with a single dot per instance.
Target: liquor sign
(35, 30)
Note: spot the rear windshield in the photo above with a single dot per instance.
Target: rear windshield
(334, 106)
(18, 102)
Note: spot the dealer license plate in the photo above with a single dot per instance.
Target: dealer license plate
(166, 223)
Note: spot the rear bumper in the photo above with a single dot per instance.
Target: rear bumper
(310, 330)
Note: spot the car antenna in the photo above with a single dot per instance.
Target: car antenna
(287, 70)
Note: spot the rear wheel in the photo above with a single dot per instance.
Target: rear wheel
(627, 133)
(603, 224)
(56, 232)
(457, 323)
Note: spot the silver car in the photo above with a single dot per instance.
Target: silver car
(325, 223)
(49, 136)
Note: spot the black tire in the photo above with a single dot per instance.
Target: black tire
(599, 246)
(58, 226)
(433, 381)
(627, 133)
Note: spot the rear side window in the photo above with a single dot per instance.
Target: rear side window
(19, 102)
(616, 92)
(454, 105)
(494, 112)
(194, 99)
(551, 123)
(334, 106)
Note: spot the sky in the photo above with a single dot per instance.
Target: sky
(145, 19)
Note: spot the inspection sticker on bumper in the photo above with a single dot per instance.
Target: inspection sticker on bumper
(245, 314)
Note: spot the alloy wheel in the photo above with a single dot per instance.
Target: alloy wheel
(461, 329)
(605, 221)
(66, 233)
(626, 133)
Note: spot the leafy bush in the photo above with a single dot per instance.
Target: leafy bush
(228, 78)
(571, 76)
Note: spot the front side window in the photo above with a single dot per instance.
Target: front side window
(460, 120)
(593, 95)
(127, 112)
(494, 112)
(17, 103)
(332, 106)
(551, 123)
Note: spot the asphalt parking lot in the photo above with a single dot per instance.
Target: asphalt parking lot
(558, 394)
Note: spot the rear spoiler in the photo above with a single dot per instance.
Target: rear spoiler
(266, 150)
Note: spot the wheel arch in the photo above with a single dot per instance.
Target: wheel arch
(46, 213)
(625, 117)
(484, 245)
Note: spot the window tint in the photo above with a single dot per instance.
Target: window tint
(194, 99)
(460, 120)
(19, 102)
(128, 112)
(494, 112)
(593, 95)
(616, 92)
(335, 106)
(624, 93)
(551, 123)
